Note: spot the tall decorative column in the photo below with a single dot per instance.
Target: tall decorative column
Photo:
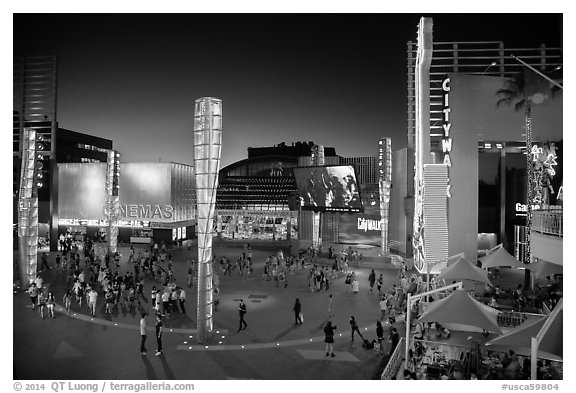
(384, 185)
(207, 148)
(112, 208)
(422, 133)
(317, 159)
(28, 210)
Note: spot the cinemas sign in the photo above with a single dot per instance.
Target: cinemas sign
(149, 212)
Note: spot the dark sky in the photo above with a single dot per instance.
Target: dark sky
(335, 79)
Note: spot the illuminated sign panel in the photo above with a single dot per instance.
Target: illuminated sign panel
(446, 139)
(359, 228)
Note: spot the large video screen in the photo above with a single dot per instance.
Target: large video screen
(328, 188)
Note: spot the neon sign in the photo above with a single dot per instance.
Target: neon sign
(368, 224)
(446, 139)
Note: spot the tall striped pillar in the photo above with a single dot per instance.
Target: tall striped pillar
(384, 185)
(28, 210)
(317, 160)
(435, 203)
(207, 148)
(112, 208)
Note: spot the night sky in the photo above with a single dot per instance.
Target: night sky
(335, 79)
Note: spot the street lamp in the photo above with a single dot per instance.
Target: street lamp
(487, 68)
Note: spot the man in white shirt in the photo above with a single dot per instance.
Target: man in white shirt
(92, 296)
(165, 301)
(39, 282)
(383, 307)
(182, 299)
(143, 334)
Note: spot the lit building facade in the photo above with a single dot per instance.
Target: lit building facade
(459, 114)
(156, 201)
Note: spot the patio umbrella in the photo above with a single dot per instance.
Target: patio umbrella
(498, 258)
(542, 338)
(518, 340)
(463, 270)
(460, 308)
(544, 268)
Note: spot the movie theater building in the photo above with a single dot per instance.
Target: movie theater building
(157, 201)
(454, 122)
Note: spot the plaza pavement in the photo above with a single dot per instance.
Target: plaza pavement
(272, 347)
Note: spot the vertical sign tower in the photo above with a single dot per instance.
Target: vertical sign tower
(384, 185)
(317, 159)
(207, 148)
(422, 145)
(28, 210)
(112, 208)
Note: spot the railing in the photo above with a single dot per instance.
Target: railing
(548, 222)
(394, 362)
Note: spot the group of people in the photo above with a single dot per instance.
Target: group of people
(376, 344)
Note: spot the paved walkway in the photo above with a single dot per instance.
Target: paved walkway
(272, 347)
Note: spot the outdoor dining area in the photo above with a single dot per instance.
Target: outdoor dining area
(471, 322)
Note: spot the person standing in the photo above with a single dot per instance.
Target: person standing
(380, 335)
(383, 307)
(329, 338)
(241, 313)
(394, 338)
(92, 296)
(190, 274)
(355, 286)
(182, 300)
(166, 302)
(143, 334)
(159, 334)
(297, 309)
(372, 279)
(354, 326)
(380, 284)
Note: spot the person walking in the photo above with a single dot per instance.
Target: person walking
(159, 334)
(143, 334)
(380, 283)
(354, 326)
(330, 306)
(41, 303)
(50, 304)
(297, 310)
(33, 292)
(329, 338)
(67, 300)
(241, 313)
(372, 279)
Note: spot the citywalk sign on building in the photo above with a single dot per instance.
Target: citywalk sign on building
(446, 139)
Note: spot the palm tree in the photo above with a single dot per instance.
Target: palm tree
(514, 93)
